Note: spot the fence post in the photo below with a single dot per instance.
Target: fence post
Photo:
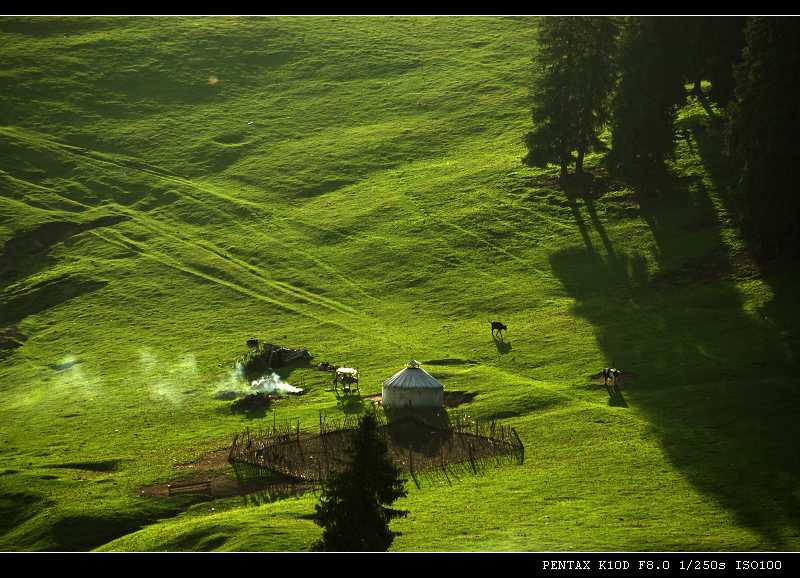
(411, 467)
(233, 447)
(472, 459)
(444, 470)
(519, 444)
(323, 440)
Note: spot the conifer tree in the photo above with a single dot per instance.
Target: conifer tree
(724, 52)
(573, 76)
(658, 57)
(764, 123)
(354, 507)
(653, 70)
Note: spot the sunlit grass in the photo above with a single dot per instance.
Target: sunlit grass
(354, 186)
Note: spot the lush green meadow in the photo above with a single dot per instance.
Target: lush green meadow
(170, 187)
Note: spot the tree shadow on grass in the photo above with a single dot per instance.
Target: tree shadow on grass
(586, 187)
(252, 413)
(350, 403)
(716, 382)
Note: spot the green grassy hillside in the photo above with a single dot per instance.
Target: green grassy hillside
(170, 187)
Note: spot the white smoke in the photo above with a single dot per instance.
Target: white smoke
(273, 383)
(187, 366)
(85, 379)
(66, 363)
(234, 385)
(69, 378)
(166, 380)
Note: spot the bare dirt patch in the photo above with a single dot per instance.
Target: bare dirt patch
(214, 460)
(213, 476)
(745, 265)
(219, 485)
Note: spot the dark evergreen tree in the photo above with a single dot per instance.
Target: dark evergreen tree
(709, 48)
(354, 507)
(724, 42)
(762, 140)
(693, 52)
(573, 76)
(652, 65)
(658, 57)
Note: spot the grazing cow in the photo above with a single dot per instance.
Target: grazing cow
(347, 376)
(499, 328)
(609, 373)
(252, 343)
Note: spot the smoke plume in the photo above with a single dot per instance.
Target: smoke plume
(234, 386)
(273, 384)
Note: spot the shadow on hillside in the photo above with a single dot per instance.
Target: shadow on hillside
(28, 253)
(44, 295)
(715, 381)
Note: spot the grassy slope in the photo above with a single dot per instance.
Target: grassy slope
(354, 186)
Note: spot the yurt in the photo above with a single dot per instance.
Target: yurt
(412, 386)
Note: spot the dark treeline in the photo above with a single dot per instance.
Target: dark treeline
(764, 122)
(630, 76)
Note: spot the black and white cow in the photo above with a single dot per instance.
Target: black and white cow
(499, 328)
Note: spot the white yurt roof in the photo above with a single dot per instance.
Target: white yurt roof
(413, 377)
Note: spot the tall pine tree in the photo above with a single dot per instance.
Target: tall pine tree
(658, 57)
(354, 507)
(723, 53)
(573, 76)
(653, 69)
(764, 124)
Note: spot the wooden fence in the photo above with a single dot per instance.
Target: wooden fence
(425, 452)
